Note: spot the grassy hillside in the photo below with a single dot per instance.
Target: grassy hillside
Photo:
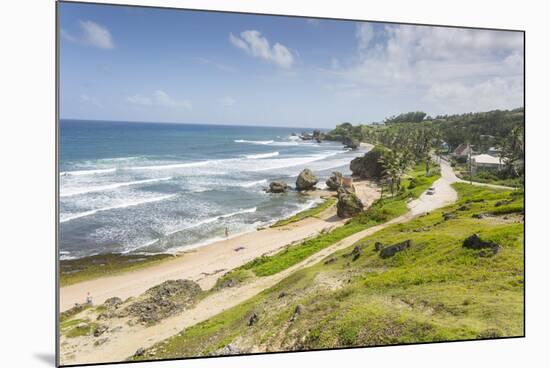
(381, 211)
(436, 290)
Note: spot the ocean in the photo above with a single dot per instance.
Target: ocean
(154, 187)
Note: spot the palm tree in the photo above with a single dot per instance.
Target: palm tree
(512, 148)
(395, 164)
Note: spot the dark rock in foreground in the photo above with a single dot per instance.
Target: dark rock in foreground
(113, 302)
(253, 319)
(297, 312)
(335, 181)
(475, 242)
(449, 216)
(99, 330)
(277, 187)
(306, 180)
(393, 249)
(356, 252)
(348, 205)
(163, 300)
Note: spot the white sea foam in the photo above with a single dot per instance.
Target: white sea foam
(77, 191)
(212, 219)
(69, 217)
(172, 166)
(294, 161)
(251, 184)
(262, 155)
(87, 172)
(252, 142)
(134, 248)
(284, 144)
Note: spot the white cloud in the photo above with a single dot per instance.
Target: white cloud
(459, 97)
(139, 100)
(435, 67)
(158, 98)
(91, 34)
(364, 33)
(254, 44)
(227, 101)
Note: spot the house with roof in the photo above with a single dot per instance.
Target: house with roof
(486, 161)
(463, 150)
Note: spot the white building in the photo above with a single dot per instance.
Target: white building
(486, 161)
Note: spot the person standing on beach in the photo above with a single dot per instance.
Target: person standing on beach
(88, 299)
(226, 232)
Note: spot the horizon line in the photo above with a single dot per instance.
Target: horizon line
(186, 123)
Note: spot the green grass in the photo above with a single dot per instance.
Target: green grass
(83, 269)
(489, 177)
(70, 328)
(435, 291)
(310, 212)
(234, 278)
(269, 265)
(381, 211)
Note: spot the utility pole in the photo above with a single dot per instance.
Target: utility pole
(469, 149)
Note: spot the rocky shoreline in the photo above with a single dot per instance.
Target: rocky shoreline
(106, 264)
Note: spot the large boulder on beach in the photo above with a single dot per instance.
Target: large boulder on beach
(335, 181)
(306, 180)
(350, 142)
(163, 300)
(348, 205)
(277, 187)
(369, 166)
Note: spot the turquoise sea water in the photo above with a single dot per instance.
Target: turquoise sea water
(155, 187)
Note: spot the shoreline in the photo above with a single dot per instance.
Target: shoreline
(127, 260)
(66, 257)
(206, 263)
(140, 259)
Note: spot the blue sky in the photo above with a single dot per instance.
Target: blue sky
(142, 64)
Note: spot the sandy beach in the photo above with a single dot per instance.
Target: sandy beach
(207, 263)
(219, 257)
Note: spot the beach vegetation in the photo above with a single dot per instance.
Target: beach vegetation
(381, 211)
(435, 290)
(73, 271)
(310, 212)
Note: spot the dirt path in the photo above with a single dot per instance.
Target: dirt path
(207, 263)
(443, 162)
(124, 343)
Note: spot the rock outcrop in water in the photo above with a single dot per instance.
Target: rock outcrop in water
(369, 165)
(335, 181)
(352, 143)
(306, 180)
(277, 187)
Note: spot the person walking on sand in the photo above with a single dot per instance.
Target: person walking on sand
(226, 232)
(88, 299)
